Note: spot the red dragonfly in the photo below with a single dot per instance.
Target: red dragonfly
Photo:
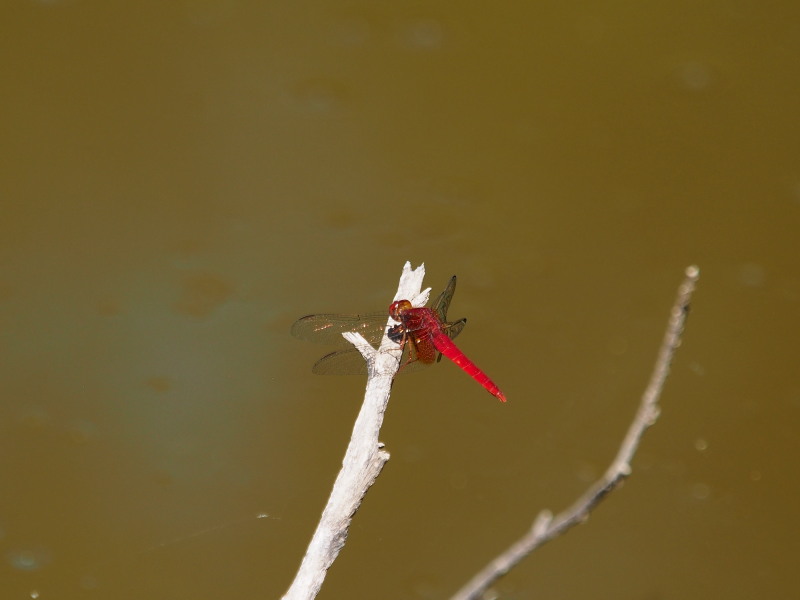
(423, 333)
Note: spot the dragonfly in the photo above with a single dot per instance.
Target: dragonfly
(424, 334)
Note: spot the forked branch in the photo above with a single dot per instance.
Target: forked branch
(546, 526)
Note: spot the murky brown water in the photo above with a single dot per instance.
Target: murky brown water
(180, 182)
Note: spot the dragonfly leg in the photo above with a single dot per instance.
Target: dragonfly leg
(408, 349)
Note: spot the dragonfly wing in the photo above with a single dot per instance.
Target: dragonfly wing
(351, 362)
(453, 329)
(442, 303)
(328, 328)
(343, 362)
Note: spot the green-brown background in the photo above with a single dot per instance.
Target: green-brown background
(181, 180)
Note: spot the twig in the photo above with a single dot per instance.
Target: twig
(546, 526)
(365, 456)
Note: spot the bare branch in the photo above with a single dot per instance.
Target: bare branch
(547, 526)
(365, 456)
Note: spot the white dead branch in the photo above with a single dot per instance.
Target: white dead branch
(365, 456)
(546, 526)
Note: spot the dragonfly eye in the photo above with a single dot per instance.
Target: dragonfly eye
(396, 309)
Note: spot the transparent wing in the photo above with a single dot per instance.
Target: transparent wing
(442, 302)
(343, 362)
(453, 329)
(328, 328)
(350, 362)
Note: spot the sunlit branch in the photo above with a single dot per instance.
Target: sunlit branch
(364, 457)
(546, 526)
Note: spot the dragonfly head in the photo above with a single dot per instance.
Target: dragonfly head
(396, 309)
